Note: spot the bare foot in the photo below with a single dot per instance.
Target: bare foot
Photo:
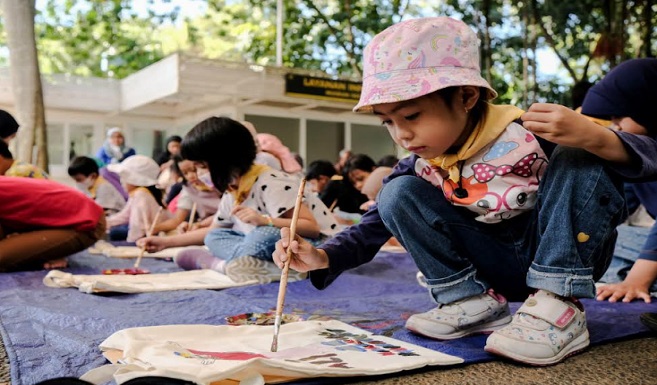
(56, 264)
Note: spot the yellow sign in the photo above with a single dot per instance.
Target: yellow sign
(322, 88)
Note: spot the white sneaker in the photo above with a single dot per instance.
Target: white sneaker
(482, 313)
(545, 330)
(248, 268)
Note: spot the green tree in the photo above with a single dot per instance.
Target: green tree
(104, 38)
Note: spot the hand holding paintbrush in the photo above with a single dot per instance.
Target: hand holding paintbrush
(282, 288)
(148, 234)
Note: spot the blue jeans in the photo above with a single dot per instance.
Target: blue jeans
(118, 233)
(632, 243)
(228, 244)
(461, 257)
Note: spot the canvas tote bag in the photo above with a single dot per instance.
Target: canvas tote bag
(226, 354)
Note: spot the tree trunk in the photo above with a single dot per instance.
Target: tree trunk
(26, 80)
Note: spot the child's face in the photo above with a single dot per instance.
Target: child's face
(628, 124)
(317, 185)
(174, 147)
(191, 173)
(425, 126)
(358, 178)
(87, 181)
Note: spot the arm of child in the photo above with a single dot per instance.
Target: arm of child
(305, 257)
(563, 126)
(172, 223)
(306, 224)
(635, 286)
(154, 244)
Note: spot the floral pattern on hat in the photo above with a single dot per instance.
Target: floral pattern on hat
(416, 57)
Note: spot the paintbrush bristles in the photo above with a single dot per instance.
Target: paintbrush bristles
(148, 234)
(282, 287)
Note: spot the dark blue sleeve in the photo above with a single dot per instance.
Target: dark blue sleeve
(649, 249)
(643, 152)
(358, 244)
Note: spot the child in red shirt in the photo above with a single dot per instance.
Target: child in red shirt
(42, 222)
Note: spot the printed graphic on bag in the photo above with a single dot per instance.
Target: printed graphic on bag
(211, 354)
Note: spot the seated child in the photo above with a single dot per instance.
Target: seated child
(333, 189)
(11, 167)
(42, 222)
(257, 200)
(85, 173)
(138, 173)
(488, 205)
(194, 192)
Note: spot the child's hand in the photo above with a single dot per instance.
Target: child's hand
(305, 257)
(249, 215)
(622, 291)
(561, 125)
(182, 227)
(152, 244)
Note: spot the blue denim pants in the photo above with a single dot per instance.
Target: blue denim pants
(633, 242)
(228, 244)
(461, 257)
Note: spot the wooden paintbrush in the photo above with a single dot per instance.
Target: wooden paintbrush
(191, 217)
(282, 288)
(148, 234)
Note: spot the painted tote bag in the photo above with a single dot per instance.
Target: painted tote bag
(142, 283)
(225, 354)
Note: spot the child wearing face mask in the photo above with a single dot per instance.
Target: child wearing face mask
(493, 203)
(194, 192)
(85, 173)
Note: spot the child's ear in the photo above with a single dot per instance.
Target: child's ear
(470, 95)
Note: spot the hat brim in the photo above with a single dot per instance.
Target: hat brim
(397, 86)
(129, 177)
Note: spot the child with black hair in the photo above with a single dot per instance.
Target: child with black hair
(493, 203)
(257, 200)
(194, 192)
(85, 173)
(332, 188)
(138, 174)
(11, 167)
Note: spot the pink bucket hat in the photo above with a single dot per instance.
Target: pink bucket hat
(416, 57)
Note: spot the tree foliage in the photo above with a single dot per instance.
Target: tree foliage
(588, 37)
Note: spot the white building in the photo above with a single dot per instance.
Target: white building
(172, 95)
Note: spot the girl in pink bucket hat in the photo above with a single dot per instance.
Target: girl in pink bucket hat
(493, 202)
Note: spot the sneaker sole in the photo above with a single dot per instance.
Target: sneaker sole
(247, 268)
(575, 346)
(486, 328)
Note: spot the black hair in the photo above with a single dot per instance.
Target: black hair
(476, 114)
(8, 125)
(579, 92)
(157, 194)
(320, 168)
(174, 138)
(225, 145)
(175, 168)
(387, 161)
(359, 162)
(83, 165)
(4, 150)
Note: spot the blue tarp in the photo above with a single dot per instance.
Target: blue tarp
(52, 332)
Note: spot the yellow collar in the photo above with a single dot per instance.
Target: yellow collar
(495, 121)
(246, 182)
